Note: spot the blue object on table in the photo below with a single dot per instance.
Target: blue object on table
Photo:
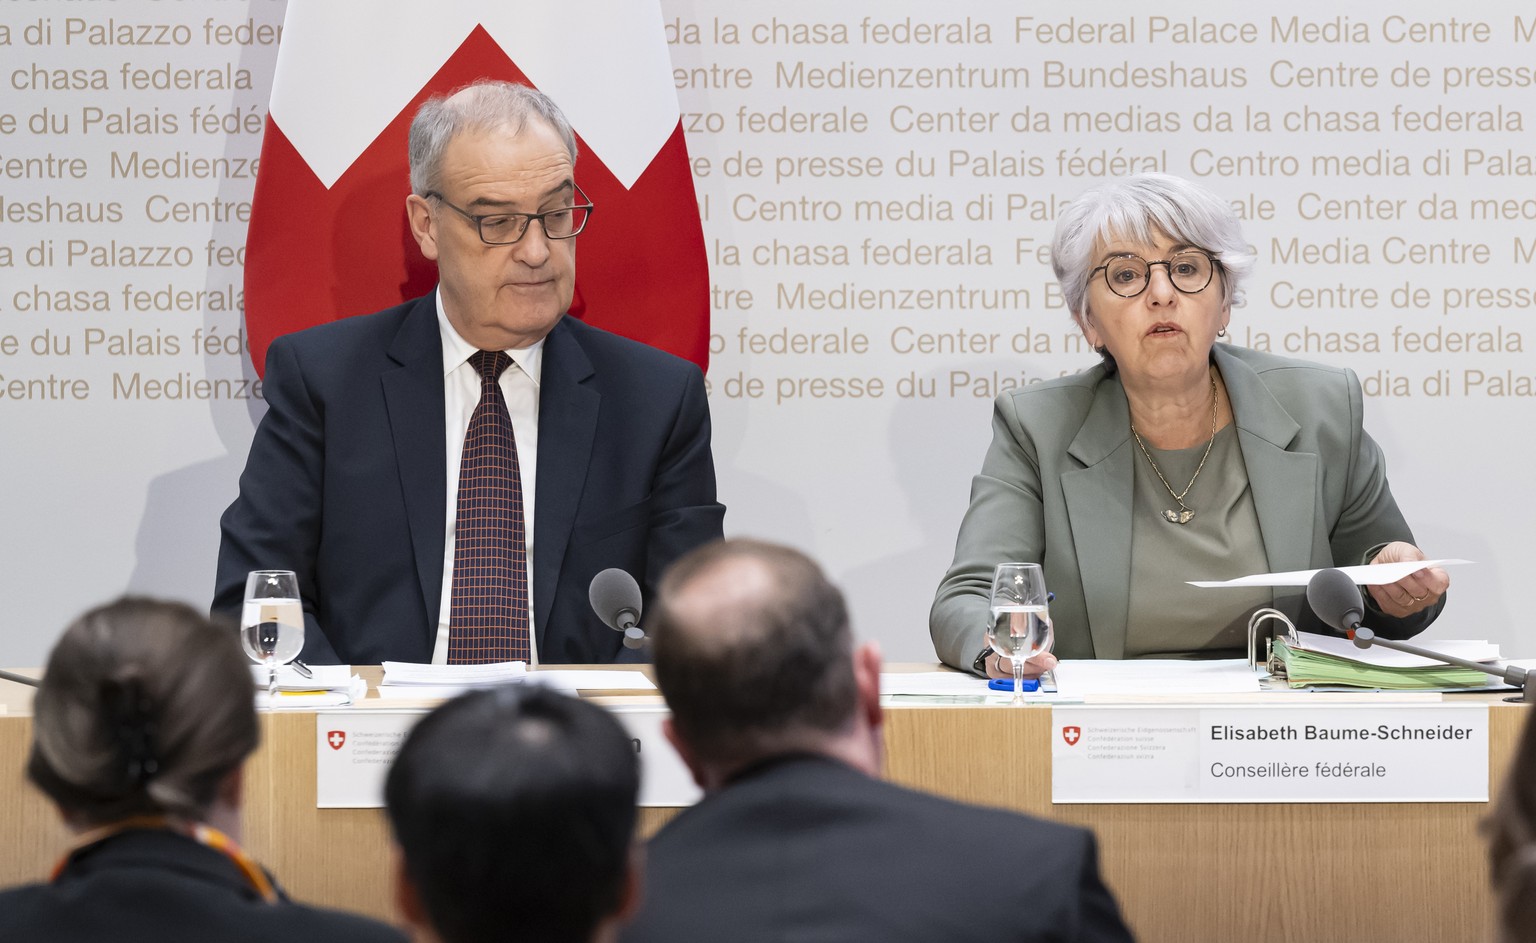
(1006, 684)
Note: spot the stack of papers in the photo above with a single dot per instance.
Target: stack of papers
(572, 680)
(932, 684)
(439, 682)
(325, 678)
(435, 682)
(1328, 660)
(501, 672)
(1154, 676)
(329, 686)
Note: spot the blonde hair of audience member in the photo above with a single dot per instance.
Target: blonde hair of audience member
(1511, 830)
(146, 709)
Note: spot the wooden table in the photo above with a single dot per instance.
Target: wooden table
(1406, 871)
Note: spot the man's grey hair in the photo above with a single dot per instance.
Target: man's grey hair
(480, 106)
(1136, 208)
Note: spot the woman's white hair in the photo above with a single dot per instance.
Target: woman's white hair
(1137, 208)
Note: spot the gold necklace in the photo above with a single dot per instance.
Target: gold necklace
(1184, 514)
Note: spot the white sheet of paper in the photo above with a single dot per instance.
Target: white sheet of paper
(1371, 574)
(1087, 678)
(401, 672)
(425, 692)
(569, 679)
(932, 683)
(1388, 658)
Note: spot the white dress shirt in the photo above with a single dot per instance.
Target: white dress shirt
(461, 393)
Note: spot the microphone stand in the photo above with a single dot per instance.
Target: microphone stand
(1512, 675)
(19, 679)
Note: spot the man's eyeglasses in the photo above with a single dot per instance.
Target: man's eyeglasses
(503, 229)
(1190, 270)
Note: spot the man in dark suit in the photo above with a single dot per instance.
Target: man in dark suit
(796, 838)
(353, 479)
(514, 813)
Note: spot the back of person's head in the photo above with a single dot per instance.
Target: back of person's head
(1511, 830)
(145, 709)
(514, 810)
(753, 651)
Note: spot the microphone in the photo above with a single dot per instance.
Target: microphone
(615, 597)
(1336, 600)
(19, 679)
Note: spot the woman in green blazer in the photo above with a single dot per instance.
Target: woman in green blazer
(1175, 459)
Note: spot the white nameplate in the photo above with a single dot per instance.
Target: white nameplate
(355, 750)
(665, 781)
(1275, 753)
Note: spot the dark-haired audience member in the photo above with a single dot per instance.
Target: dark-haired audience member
(779, 719)
(1511, 831)
(514, 812)
(141, 729)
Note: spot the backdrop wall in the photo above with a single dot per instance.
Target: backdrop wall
(878, 184)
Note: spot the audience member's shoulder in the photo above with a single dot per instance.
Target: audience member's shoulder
(335, 926)
(17, 906)
(41, 913)
(826, 789)
(1000, 826)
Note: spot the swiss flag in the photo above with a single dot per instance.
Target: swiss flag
(336, 738)
(328, 235)
(1071, 735)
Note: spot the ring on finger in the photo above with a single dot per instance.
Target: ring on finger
(1419, 599)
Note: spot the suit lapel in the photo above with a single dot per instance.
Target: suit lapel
(1284, 483)
(413, 398)
(568, 407)
(1098, 506)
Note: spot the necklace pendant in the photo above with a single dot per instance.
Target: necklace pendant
(1178, 517)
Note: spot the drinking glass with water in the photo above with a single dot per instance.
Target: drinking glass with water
(1020, 627)
(272, 622)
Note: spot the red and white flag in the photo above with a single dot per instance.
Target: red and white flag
(328, 235)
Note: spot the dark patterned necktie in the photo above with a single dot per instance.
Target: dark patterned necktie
(488, 616)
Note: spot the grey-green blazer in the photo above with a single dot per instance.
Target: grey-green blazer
(1057, 481)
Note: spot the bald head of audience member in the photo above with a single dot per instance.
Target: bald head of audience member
(755, 656)
(514, 813)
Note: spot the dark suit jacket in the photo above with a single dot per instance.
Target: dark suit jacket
(346, 483)
(805, 848)
(1056, 485)
(159, 887)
